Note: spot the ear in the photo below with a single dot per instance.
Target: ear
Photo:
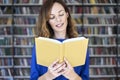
(67, 14)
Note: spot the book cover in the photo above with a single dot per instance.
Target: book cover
(48, 50)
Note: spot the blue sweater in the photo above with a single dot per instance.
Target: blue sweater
(38, 70)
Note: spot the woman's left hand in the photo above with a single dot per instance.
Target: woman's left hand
(69, 71)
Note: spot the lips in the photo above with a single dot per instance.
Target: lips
(59, 25)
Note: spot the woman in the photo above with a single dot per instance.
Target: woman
(55, 22)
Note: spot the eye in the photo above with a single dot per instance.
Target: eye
(52, 17)
(61, 14)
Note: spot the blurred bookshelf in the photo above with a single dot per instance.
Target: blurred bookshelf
(96, 19)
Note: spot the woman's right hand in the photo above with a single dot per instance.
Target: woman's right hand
(55, 69)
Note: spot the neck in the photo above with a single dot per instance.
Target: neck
(60, 36)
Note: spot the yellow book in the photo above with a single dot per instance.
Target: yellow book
(48, 50)
(92, 2)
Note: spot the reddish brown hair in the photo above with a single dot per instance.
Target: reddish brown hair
(43, 27)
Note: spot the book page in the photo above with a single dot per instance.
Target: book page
(46, 52)
(75, 52)
(49, 50)
(50, 40)
(73, 39)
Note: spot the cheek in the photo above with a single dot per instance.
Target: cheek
(64, 19)
(51, 23)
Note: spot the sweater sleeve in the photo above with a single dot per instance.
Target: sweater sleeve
(34, 74)
(85, 69)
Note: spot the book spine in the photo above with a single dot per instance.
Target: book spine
(61, 57)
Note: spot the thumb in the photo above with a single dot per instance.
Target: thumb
(68, 64)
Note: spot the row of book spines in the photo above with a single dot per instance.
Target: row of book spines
(14, 77)
(87, 30)
(102, 1)
(102, 71)
(27, 51)
(76, 9)
(6, 61)
(6, 1)
(20, 1)
(102, 41)
(26, 61)
(17, 41)
(95, 20)
(6, 51)
(24, 31)
(17, 51)
(103, 51)
(6, 72)
(91, 1)
(103, 61)
(6, 41)
(16, 72)
(66, 1)
(15, 62)
(93, 77)
(25, 20)
(102, 30)
(25, 72)
(25, 41)
(17, 31)
(78, 20)
(95, 10)
(19, 10)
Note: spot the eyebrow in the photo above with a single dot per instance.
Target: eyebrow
(58, 12)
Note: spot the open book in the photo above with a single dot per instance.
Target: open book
(73, 49)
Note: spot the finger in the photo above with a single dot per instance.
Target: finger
(54, 63)
(58, 66)
(60, 69)
(68, 65)
(66, 61)
(65, 70)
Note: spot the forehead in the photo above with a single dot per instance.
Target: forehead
(56, 8)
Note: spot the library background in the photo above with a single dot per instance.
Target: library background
(99, 20)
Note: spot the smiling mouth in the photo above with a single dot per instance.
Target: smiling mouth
(59, 25)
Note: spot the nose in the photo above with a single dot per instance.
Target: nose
(58, 19)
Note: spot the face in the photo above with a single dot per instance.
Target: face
(58, 18)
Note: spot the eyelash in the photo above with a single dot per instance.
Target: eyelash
(59, 15)
(52, 17)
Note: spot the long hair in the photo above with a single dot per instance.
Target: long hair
(44, 29)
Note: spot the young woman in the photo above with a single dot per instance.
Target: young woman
(55, 22)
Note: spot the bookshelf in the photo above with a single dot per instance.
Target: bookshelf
(95, 19)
